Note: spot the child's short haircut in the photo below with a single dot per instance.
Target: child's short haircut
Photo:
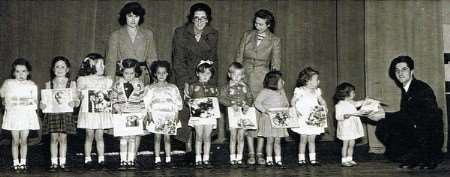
(271, 80)
(235, 65)
(305, 75)
(23, 62)
(129, 63)
(160, 64)
(202, 67)
(87, 68)
(343, 90)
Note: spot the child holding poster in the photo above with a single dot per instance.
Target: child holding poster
(162, 101)
(236, 94)
(127, 97)
(19, 96)
(58, 125)
(92, 77)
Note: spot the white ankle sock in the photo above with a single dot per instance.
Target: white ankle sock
(301, 157)
(198, 158)
(62, 160)
(277, 158)
(54, 160)
(168, 159)
(157, 159)
(101, 159)
(87, 159)
(312, 156)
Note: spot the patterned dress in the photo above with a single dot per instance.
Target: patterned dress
(129, 96)
(236, 94)
(60, 122)
(201, 90)
(305, 104)
(164, 98)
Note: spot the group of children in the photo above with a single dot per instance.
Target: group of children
(130, 95)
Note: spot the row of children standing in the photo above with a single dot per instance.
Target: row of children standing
(130, 95)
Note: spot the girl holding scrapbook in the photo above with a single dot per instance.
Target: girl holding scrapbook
(127, 97)
(162, 101)
(311, 109)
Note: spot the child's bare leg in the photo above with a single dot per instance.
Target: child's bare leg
(157, 147)
(240, 144)
(312, 148)
(131, 148)
(207, 129)
(198, 142)
(167, 148)
(123, 149)
(277, 149)
(137, 142)
(62, 148)
(100, 145)
(233, 140)
(269, 150)
(302, 148)
(88, 145)
(23, 146)
(54, 148)
(344, 151)
(351, 145)
(15, 146)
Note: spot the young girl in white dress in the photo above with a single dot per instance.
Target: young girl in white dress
(128, 97)
(349, 127)
(163, 96)
(307, 100)
(58, 125)
(92, 77)
(20, 98)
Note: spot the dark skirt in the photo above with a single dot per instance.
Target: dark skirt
(59, 123)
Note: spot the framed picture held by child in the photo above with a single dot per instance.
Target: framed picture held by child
(57, 100)
(239, 119)
(206, 107)
(283, 118)
(97, 101)
(128, 124)
(163, 122)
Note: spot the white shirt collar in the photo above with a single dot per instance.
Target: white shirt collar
(406, 86)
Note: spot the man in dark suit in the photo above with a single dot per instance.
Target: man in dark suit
(413, 135)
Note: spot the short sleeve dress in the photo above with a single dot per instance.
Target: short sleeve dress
(304, 104)
(351, 128)
(23, 93)
(88, 120)
(265, 100)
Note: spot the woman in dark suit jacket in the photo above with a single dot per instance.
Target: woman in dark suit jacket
(131, 41)
(193, 42)
(259, 51)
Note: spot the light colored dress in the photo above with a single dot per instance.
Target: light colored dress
(265, 100)
(93, 120)
(351, 128)
(165, 98)
(20, 104)
(304, 105)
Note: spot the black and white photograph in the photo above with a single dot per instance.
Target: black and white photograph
(128, 124)
(204, 107)
(163, 122)
(283, 118)
(239, 119)
(57, 100)
(98, 100)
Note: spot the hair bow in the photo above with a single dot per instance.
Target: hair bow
(205, 61)
(120, 64)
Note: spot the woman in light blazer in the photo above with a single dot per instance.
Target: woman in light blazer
(131, 41)
(259, 51)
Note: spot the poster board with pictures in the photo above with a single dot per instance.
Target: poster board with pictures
(283, 118)
(237, 119)
(57, 100)
(163, 122)
(97, 101)
(207, 107)
(128, 124)
(21, 98)
(370, 105)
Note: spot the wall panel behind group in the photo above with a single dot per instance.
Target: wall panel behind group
(411, 28)
(40, 30)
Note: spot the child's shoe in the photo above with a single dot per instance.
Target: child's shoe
(315, 163)
(260, 159)
(280, 165)
(123, 166)
(207, 164)
(53, 168)
(302, 163)
(346, 164)
(198, 165)
(353, 163)
(251, 159)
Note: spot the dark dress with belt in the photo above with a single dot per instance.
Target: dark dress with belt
(186, 55)
(414, 134)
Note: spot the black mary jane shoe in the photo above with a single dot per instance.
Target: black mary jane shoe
(269, 164)
(315, 163)
(123, 166)
(207, 164)
(302, 163)
(171, 165)
(158, 165)
(65, 168)
(131, 165)
(53, 168)
(280, 165)
(198, 165)
(241, 164)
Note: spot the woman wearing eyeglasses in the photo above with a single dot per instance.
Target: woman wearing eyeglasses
(193, 42)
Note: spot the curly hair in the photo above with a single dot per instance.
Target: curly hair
(305, 75)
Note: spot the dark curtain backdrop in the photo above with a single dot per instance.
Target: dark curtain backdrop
(324, 34)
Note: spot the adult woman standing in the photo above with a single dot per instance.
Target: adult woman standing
(131, 41)
(259, 51)
(193, 42)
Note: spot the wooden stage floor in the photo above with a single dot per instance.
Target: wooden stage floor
(378, 168)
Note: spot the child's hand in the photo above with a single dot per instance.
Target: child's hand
(42, 106)
(346, 116)
(245, 108)
(73, 104)
(235, 108)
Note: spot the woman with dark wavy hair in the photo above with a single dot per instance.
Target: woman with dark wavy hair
(131, 41)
